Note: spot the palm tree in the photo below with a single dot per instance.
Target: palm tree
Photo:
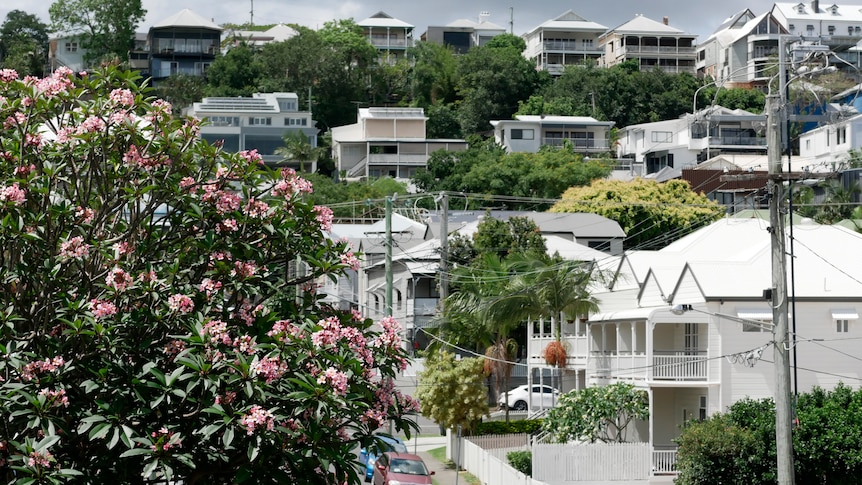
(479, 304)
(298, 149)
(551, 287)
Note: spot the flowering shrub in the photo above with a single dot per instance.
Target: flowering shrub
(154, 322)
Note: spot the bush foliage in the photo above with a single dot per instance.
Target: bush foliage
(158, 313)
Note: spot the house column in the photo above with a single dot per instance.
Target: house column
(649, 328)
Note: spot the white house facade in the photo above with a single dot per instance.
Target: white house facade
(654, 45)
(529, 133)
(568, 39)
(696, 363)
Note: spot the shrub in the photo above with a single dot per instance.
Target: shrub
(155, 322)
(521, 461)
(530, 426)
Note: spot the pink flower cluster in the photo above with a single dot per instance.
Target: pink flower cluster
(283, 329)
(122, 97)
(74, 248)
(40, 459)
(248, 312)
(251, 156)
(164, 440)
(217, 330)
(270, 368)
(244, 269)
(324, 217)
(181, 303)
(134, 158)
(245, 344)
(102, 308)
(59, 82)
(329, 333)
(334, 378)
(91, 125)
(13, 194)
(350, 260)
(31, 370)
(8, 75)
(256, 209)
(209, 287)
(123, 248)
(55, 398)
(256, 419)
(85, 214)
(391, 335)
(118, 279)
(291, 184)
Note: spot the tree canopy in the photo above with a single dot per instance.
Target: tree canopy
(597, 413)
(159, 320)
(106, 27)
(23, 43)
(452, 392)
(652, 214)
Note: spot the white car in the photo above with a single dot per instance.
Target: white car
(519, 397)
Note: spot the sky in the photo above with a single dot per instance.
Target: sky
(692, 16)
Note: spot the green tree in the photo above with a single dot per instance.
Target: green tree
(181, 90)
(716, 450)
(24, 43)
(106, 27)
(652, 214)
(492, 80)
(153, 325)
(434, 76)
(598, 413)
(452, 392)
(235, 73)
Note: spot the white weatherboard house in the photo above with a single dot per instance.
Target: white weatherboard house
(699, 362)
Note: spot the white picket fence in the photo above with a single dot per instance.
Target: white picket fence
(490, 465)
(485, 457)
(592, 462)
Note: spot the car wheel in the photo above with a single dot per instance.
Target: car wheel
(520, 406)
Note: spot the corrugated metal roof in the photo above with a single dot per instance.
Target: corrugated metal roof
(187, 18)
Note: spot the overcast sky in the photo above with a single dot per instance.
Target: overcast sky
(693, 16)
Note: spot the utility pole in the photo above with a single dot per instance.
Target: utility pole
(783, 409)
(388, 262)
(444, 247)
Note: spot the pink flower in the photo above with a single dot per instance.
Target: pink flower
(244, 344)
(350, 260)
(334, 378)
(118, 279)
(40, 459)
(270, 368)
(7, 75)
(244, 269)
(29, 371)
(209, 287)
(256, 419)
(252, 157)
(13, 194)
(123, 248)
(227, 226)
(74, 248)
(102, 308)
(324, 217)
(91, 124)
(123, 97)
(217, 330)
(187, 182)
(181, 303)
(256, 209)
(55, 398)
(85, 214)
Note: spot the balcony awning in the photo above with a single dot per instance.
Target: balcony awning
(622, 315)
(845, 314)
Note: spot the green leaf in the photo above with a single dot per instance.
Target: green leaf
(136, 452)
(227, 437)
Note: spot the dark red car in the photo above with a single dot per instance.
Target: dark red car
(393, 468)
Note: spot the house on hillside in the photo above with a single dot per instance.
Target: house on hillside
(259, 122)
(839, 27)
(741, 50)
(184, 43)
(654, 45)
(529, 133)
(464, 34)
(390, 36)
(696, 363)
(386, 142)
(693, 139)
(566, 40)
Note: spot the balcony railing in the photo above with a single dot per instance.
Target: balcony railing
(679, 365)
(581, 144)
(395, 159)
(395, 43)
(618, 365)
(576, 349)
(652, 49)
(189, 71)
(738, 140)
(569, 46)
(425, 306)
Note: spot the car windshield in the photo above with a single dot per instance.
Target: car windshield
(408, 467)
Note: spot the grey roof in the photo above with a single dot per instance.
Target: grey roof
(641, 24)
(579, 224)
(571, 21)
(186, 18)
(383, 19)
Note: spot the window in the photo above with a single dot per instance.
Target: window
(662, 136)
(295, 122)
(702, 409)
(831, 29)
(842, 326)
(286, 105)
(791, 27)
(841, 135)
(260, 121)
(809, 28)
(519, 134)
(71, 47)
(808, 144)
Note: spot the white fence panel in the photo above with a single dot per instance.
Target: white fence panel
(591, 462)
(490, 469)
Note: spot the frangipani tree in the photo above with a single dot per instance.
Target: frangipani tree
(153, 323)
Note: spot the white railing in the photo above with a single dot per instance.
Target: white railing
(679, 366)
(622, 365)
(576, 349)
(396, 159)
(664, 461)
(564, 463)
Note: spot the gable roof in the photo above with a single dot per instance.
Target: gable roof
(569, 20)
(383, 19)
(186, 18)
(641, 24)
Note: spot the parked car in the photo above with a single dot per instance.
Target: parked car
(393, 468)
(390, 443)
(542, 397)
